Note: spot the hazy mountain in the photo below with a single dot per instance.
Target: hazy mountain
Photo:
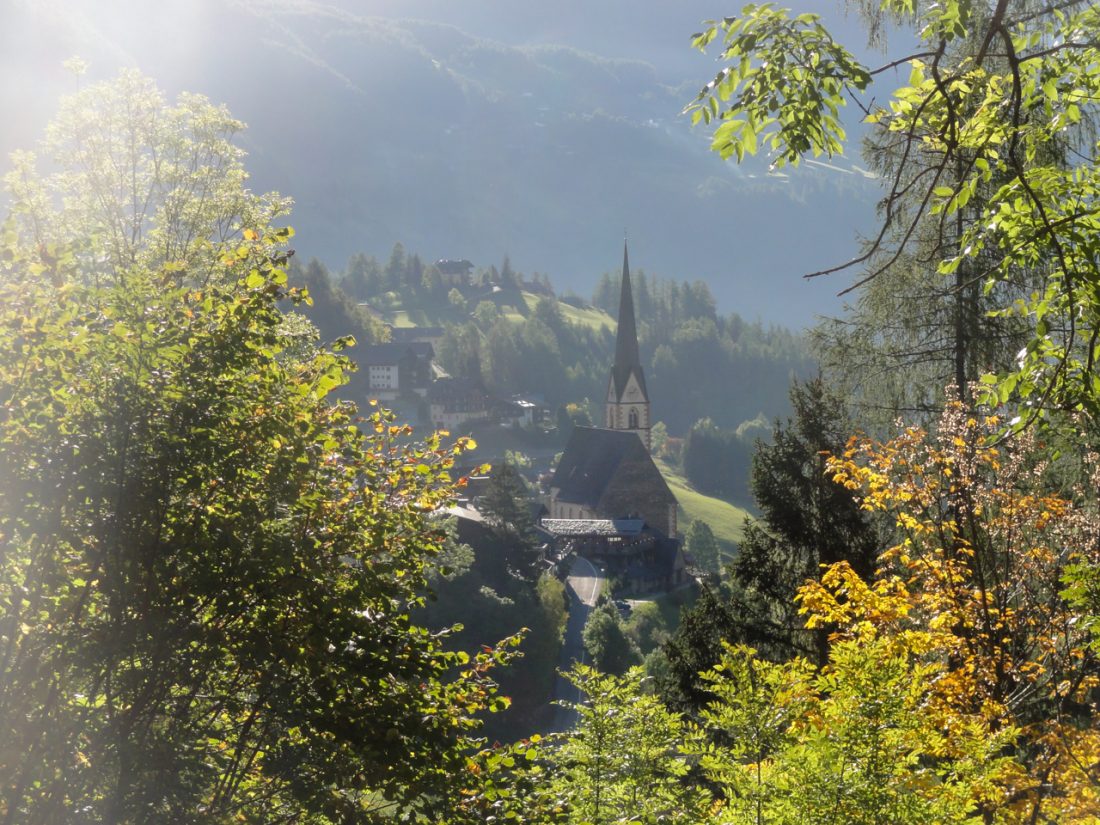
(472, 130)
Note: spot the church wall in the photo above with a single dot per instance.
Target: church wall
(568, 509)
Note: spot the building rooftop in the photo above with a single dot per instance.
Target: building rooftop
(391, 354)
(593, 456)
(594, 526)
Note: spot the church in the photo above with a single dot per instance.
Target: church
(608, 500)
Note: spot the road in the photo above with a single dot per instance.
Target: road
(583, 586)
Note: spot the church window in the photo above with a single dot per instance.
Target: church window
(633, 419)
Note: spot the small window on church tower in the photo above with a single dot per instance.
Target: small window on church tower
(633, 419)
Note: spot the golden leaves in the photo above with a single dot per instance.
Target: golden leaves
(974, 585)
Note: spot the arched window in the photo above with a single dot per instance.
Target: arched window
(633, 419)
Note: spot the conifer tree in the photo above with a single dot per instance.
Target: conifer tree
(507, 507)
(703, 547)
(806, 520)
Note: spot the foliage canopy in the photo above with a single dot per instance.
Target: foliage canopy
(992, 89)
(208, 565)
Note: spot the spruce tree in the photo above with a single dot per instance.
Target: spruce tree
(806, 520)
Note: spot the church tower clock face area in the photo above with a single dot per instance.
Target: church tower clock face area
(627, 398)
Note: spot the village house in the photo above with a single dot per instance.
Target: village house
(394, 370)
(455, 402)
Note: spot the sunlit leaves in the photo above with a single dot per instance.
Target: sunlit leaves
(782, 88)
(208, 566)
(624, 761)
(994, 145)
(856, 742)
(977, 580)
(130, 181)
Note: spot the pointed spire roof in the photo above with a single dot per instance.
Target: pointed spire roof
(627, 359)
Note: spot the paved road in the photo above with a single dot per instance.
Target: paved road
(583, 586)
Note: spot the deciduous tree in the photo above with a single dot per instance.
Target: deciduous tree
(624, 762)
(208, 565)
(856, 742)
(975, 580)
(606, 641)
(137, 183)
(991, 89)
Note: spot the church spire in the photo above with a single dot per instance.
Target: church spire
(627, 399)
(626, 339)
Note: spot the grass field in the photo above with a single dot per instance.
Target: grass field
(587, 317)
(725, 519)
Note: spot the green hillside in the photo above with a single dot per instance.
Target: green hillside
(725, 519)
(401, 316)
(589, 316)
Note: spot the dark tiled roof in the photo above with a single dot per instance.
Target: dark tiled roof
(594, 526)
(389, 354)
(447, 389)
(592, 458)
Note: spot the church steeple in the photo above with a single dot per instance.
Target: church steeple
(627, 399)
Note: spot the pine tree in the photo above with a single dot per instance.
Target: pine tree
(807, 519)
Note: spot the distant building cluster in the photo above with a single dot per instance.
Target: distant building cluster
(405, 367)
(606, 499)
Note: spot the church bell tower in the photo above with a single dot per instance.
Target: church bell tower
(627, 399)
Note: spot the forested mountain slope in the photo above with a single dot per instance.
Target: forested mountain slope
(516, 129)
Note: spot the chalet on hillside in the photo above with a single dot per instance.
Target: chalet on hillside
(454, 272)
(521, 412)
